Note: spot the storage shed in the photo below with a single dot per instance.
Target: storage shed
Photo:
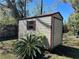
(50, 25)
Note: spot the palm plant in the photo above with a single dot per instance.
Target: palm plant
(29, 47)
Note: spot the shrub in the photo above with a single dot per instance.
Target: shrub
(29, 47)
(70, 33)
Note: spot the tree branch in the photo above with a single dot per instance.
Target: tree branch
(9, 4)
(3, 5)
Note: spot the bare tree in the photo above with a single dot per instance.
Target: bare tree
(18, 7)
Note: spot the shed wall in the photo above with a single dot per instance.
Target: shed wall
(43, 25)
(57, 32)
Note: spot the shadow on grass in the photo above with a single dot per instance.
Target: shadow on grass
(66, 51)
(8, 38)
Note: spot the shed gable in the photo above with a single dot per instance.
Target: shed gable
(58, 16)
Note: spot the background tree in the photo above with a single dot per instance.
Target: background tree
(6, 18)
(73, 22)
(65, 28)
(18, 7)
(74, 3)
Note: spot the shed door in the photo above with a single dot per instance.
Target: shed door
(57, 32)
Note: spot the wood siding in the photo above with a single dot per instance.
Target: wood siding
(57, 32)
(43, 25)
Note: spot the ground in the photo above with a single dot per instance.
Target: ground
(68, 50)
(6, 50)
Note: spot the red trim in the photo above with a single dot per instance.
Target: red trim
(51, 34)
(51, 37)
(42, 16)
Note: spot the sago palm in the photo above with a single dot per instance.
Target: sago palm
(29, 47)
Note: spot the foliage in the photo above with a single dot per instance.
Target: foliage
(18, 7)
(6, 19)
(73, 23)
(8, 25)
(70, 33)
(74, 3)
(29, 47)
(42, 39)
(65, 28)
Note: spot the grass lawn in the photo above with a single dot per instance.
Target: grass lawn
(7, 56)
(6, 50)
(69, 50)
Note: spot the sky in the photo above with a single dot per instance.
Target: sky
(52, 6)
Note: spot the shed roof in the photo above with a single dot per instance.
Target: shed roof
(55, 15)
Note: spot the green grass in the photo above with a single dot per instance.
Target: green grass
(6, 46)
(7, 56)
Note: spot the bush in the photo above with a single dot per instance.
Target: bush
(70, 33)
(29, 47)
